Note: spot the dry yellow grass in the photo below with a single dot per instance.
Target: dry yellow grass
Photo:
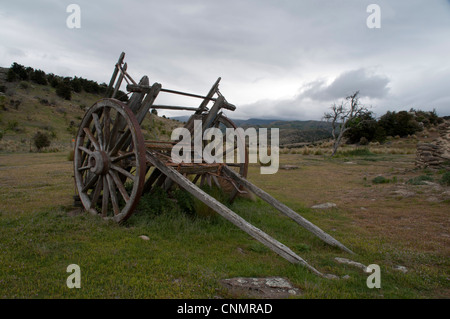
(35, 181)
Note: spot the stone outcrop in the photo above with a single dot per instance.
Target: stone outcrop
(437, 153)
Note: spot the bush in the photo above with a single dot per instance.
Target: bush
(64, 90)
(12, 126)
(399, 124)
(76, 85)
(17, 72)
(41, 140)
(445, 179)
(420, 180)
(24, 85)
(363, 141)
(39, 77)
(380, 180)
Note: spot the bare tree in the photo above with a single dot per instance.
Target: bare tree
(341, 114)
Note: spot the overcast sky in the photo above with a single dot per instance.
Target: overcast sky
(286, 59)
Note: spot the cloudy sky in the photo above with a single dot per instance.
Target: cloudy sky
(288, 59)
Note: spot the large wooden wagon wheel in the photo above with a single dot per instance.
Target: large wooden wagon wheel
(239, 165)
(109, 160)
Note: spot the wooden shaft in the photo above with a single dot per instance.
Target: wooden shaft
(228, 214)
(285, 210)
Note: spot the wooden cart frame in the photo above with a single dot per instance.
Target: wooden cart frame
(114, 165)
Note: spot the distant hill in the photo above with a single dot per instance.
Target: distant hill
(292, 133)
(27, 107)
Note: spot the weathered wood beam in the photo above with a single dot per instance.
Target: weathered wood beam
(148, 102)
(284, 209)
(114, 75)
(119, 81)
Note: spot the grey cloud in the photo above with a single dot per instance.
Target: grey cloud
(258, 47)
(369, 85)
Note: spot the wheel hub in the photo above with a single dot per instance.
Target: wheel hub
(99, 162)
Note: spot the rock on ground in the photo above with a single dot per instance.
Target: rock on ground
(263, 288)
(324, 206)
(351, 263)
(287, 167)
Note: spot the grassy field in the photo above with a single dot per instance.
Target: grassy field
(391, 224)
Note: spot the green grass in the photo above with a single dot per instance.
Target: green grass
(185, 257)
(355, 152)
(188, 253)
(384, 180)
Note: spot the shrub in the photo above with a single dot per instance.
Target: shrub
(41, 140)
(445, 179)
(76, 85)
(419, 180)
(380, 180)
(17, 72)
(64, 90)
(24, 85)
(12, 126)
(39, 77)
(363, 141)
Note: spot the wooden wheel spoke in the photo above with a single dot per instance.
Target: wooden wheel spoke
(90, 183)
(83, 168)
(92, 138)
(121, 142)
(123, 172)
(113, 195)
(106, 127)
(105, 199)
(84, 149)
(120, 186)
(96, 193)
(121, 157)
(98, 130)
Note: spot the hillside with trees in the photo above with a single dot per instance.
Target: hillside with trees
(42, 111)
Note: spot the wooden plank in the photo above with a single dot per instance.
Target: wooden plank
(212, 114)
(136, 98)
(208, 97)
(114, 75)
(284, 209)
(148, 102)
(228, 214)
(175, 107)
(119, 81)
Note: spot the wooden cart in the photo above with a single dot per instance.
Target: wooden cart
(114, 165)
